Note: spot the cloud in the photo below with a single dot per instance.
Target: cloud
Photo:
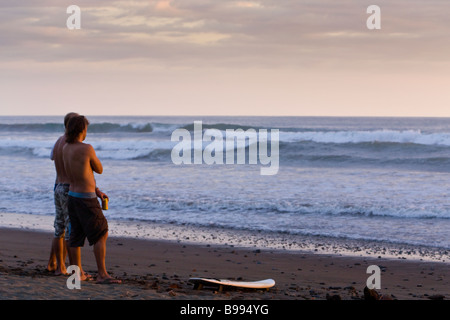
(231, 34)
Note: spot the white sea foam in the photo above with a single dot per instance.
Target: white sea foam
(393, 136)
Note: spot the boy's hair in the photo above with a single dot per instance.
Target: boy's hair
(68, 116)
(75, 126)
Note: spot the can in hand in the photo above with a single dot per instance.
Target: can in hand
(105, 203)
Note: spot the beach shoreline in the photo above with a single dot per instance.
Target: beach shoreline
(245, 239)
(160, 269)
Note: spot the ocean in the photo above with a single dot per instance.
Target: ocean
(383, 180)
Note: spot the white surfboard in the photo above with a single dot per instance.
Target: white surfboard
(262, 284)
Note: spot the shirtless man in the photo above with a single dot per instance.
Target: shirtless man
(86, 216)
(58, 252)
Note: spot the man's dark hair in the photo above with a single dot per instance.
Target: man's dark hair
(75, 126)
(68, 116)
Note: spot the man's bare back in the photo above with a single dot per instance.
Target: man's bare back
(80, 163)
(57, 157)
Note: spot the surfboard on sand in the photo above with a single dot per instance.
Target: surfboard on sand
(221, 283)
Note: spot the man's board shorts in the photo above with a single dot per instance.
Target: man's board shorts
(86, 219)
(62, 222)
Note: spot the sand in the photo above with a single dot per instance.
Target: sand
(160, 269)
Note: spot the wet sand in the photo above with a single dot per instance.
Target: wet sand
(160, 269)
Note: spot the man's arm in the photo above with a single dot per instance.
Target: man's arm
(96, 165)
(99, 193)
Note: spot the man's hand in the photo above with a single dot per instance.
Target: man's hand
(100, 194)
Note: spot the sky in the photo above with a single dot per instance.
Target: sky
(225, 57)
